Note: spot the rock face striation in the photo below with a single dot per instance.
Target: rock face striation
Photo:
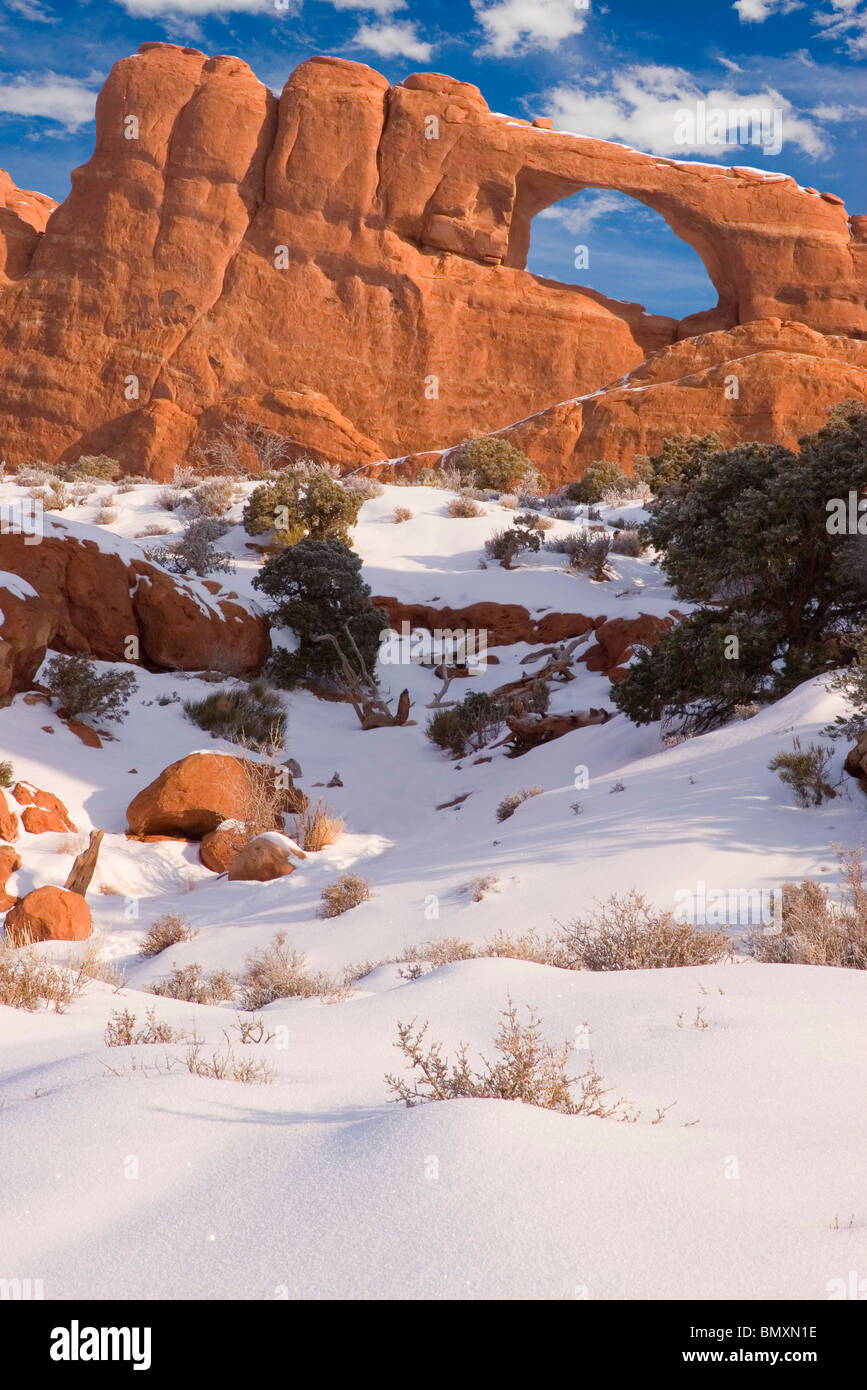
(345, 266)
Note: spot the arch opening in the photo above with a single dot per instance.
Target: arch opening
(610, 242)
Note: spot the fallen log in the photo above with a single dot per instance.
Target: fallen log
(528, 731)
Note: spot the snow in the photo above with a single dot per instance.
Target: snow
(319, 1185)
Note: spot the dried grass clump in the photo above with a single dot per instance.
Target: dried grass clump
(627, 542)
(804, 770)
(627, 933)
(401, 514)
(228, 1066)
(527, 1069)
(347, 892)
(464, 507)
(27, 981)
(365, 488)
(317, 826)
(276, 972)
(166, 931)
(120, 1031)
(194, 985)
(816, 931)
(509, 804)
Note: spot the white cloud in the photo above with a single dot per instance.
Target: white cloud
(32, 10)
(848, 22)
(199, 9)
(757, 11)
(588, 208)
(845, 20)
(393, 41)
(642, 106)
(514, 26)
(62, 99)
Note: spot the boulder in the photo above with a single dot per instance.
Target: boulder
(616, 637)
(27, 625)
(9, 823)
(10, 860)
(404, 262)
(265, 857)
(43, 811)
(48, 914)
(219, 847)
(194, 795)
(101, 592)
(856, 761)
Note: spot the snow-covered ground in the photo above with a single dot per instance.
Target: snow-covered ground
(126, 1176)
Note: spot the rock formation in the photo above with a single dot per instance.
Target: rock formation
(91, 593)
(194, 795)
(48, 914)
(345, 266)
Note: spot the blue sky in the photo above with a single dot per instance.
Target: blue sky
(614, 69)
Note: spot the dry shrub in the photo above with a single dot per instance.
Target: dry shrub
(485, 883)
(194, 985)
(402, 514)
(627, 542)
(816, 931)
(227, 1066)
(276, 972)
(541, 950)
(463, 507)
(120, 1031)
(212, 498)
(106, 516)
(166, 931)
(627, 933)
(804, 771)
(365, 488)
(154, 529)
(527, 1069)
(509, 804)
(89, 960)
(27, 981)
(347, 892)
(318, 826)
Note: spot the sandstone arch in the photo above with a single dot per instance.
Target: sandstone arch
(403, 266)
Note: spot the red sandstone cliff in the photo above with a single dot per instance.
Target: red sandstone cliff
(319, 265)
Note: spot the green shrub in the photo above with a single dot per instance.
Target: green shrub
(597, 479)
(493, 463)
(804, 771)
(506, 546)
(80, 690)
(298, 505)
(317, 588)
(479, 717)
(252, 715)
(195, 552)
(94, 466)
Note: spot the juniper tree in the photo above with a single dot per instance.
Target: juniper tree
(317, 589)
(743, 532)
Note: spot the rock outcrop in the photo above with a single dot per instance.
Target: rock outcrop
(48, 914)
(345, 266)
(27, 625)
(43, 811)
(101, 592)
(194, 795)
(266, 857)
(10, 860)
